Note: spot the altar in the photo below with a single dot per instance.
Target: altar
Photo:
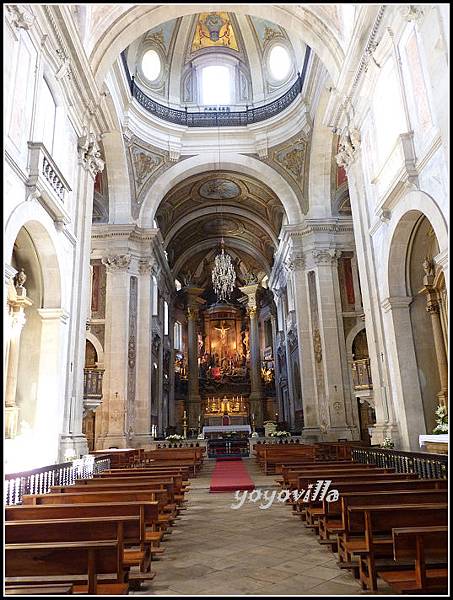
(208, 429)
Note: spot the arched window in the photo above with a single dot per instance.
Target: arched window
(279, 63)
(155, 297)
(166, 319)
(216, 85)
(151, 65)
(178, 336)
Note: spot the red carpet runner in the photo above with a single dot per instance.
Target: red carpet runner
(229, 476)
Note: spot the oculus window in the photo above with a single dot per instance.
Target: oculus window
(151, 65)
(216, 85)
(279, 63)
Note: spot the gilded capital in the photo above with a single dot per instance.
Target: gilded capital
(251, 311)
(192, 313)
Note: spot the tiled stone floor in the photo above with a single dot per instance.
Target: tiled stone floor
(217, 550)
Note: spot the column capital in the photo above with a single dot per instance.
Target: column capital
(325, 256)
(251, 311)
(19, 16)
(116, 262)
(348, 147)
(412, 12)
(295, 261)
(192, 313)
(146, 265)
(90, 154)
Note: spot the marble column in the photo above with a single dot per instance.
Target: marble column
(49, 397)
(17, 302)
(311, 430)
(193, 397)
(406, 392)
(116, 349)
(90, 163)
(432, 307)
(338, 398)
(142, 423)
(386, 419)
(256, 392)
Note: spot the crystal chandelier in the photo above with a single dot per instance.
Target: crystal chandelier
(223, 275)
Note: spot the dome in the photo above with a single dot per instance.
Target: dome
(204, 62)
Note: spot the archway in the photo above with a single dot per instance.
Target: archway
(114, 36)
(414, 323)
(34, 347)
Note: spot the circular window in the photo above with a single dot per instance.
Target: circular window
(151, 65)
(279, 63)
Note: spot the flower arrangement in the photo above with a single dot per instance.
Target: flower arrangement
(280, 434)
(387, 443)
(174, 438)
(441, 420)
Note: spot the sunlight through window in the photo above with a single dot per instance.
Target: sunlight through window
(151, 65)
(216, 85)
(279, 63)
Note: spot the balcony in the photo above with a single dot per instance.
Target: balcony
(92, 388)
(361, 374)
(46, 183)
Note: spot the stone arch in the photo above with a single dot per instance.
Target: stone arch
(234, 162)
(351, 337)
(404, 218)
(208, 244)
(46, 248)
(134, 22)
(97, 346)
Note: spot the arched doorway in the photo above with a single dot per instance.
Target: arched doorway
(416, 321)
(92, 392)
(34, 340)
(363, 385)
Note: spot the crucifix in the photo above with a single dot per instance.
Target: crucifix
(223, 338)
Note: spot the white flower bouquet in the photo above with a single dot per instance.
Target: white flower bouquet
(387, 443)
(174, 438)
(280, 434)
(441, 420)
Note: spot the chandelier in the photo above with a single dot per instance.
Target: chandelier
(223, 275)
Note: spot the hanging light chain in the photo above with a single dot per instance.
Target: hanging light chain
(223, 275)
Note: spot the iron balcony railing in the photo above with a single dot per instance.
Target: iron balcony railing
(218, 118)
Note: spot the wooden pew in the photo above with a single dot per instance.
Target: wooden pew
(148, 513)
(40, 590)
(172, 507)
(369, 532)
(274, 455)
(367, 476)
(127, 530)
(420, 545)
(39, 563)
(331, 522)
(176, 479)
(161, 496)
(319, 471)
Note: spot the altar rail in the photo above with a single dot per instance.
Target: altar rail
(427, 466)
(39, 481)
